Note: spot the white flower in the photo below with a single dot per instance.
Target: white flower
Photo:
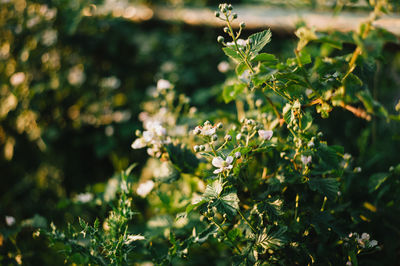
(265, 134)
(17, 78)
(208, 130)
(365, 236)
(238, 136)
(139, 143)
(84, 197)
(221, 164)
(145, 188)
(10, 220)
(132, 238)
(163, 84)
(372, 243)
(223, 67)
(306, 159)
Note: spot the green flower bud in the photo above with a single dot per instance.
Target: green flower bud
(228, 137)
(138, 133)
(214, 138)
(217, 14)
(230, 7)
(196, 148)
(242, 25)
(202, 148)
(234, 16)
(220, 39)
(219, 125)
(226, 29)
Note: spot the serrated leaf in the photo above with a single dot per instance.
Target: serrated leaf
(271, 240)
(328, 187)
(233, 54)
(213, 190)
(371, 105)
(230, 202)
(259, 40)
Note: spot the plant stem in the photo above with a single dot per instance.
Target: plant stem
(226, 235)
(248, 223)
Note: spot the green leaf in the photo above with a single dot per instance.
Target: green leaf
(259, 40)
(230, 203)
(271, 240)
(231, 92)
(182, 158)
(265, 58)
(376, 180)
(371, 105)
(240, 68)
(328, 187)
(213, 190)
(233, 54)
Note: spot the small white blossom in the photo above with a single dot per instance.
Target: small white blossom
(306, 159)
(238, 154)
(10, 220)
(372, 243)
(357, 169)
(265, 134)
(163, 84)
(222, 164)
(206, 130)
(84, 197)
(145, 188)
(238, 136)
(223, 67)
(17, 78)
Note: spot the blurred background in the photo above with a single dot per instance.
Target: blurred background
(74, 73)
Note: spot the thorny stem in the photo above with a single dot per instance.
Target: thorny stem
(248, 223)
(226, 235)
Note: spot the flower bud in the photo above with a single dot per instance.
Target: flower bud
(238, 136)
(207, 123)
(230, 7)
(219, 125)
(202, 148)
(226, 29)
(197, 131)
(259, 102)
(138, 133)
(196, 148)
(244, 129)
(238, 155)
(214, 138)
(220, 39)
(242, 25)
(217, 14)
(235, 16)
(228, 137)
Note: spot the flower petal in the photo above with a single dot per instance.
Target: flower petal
(229, 159)
(217, 171)
(218, 162)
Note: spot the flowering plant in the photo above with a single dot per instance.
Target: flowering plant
(260, 184)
